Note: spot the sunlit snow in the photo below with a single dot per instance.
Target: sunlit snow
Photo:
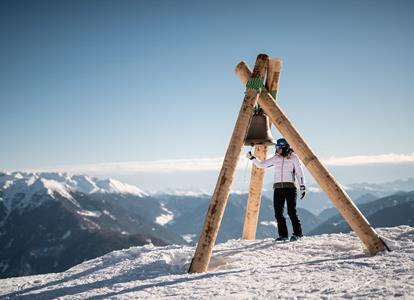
(164, 218)
(269, 223)
(320, 267)
(188, 237)
(90, 213)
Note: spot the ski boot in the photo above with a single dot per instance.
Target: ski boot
(294, 238)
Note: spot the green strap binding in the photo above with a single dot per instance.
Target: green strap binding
(255, 83)
(273, 93)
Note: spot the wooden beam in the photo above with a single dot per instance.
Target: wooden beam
(326, 181)
(220, 196)
(251, 216)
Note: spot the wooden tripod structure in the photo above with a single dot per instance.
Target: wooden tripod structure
(257, 93)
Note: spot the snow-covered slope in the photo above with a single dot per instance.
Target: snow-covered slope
(328, 266)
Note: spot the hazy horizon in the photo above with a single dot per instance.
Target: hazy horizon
(201, 174)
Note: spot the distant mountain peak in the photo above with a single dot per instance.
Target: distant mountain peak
(114, 186)
(18, 188)
(64, 183)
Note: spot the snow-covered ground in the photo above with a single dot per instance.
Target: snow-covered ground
(327, 266)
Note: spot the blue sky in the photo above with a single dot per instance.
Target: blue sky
(95, 82)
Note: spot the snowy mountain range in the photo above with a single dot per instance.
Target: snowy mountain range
(319, 204)
(334, 266)
(389, 211)
(52, 221)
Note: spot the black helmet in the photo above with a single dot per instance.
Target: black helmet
(282, 143)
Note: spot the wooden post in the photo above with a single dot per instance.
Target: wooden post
(325, 180)
(220, 196)
(251, 216)
(273, 76)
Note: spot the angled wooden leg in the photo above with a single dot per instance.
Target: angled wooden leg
(326, 181)
(220, 196)
(251, 216)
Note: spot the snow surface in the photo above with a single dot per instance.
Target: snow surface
(327, 266)
(188, 237)
(269, 223)
(90, 213)
(164, 219)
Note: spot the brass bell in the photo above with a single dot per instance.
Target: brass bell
(259, 130)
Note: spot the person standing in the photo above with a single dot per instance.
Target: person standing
(287, 166)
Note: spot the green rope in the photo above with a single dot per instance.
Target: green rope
(255, 83)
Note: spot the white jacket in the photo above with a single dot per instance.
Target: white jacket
(286, 168)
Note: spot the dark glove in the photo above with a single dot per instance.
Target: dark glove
(250, 156)
(302, 191)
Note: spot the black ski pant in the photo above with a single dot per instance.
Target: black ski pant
(281, 195)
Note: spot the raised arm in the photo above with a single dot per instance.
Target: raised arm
(264, 163)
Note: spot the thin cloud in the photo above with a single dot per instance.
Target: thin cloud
(133, 167)
(390, 158)
(212, 164)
